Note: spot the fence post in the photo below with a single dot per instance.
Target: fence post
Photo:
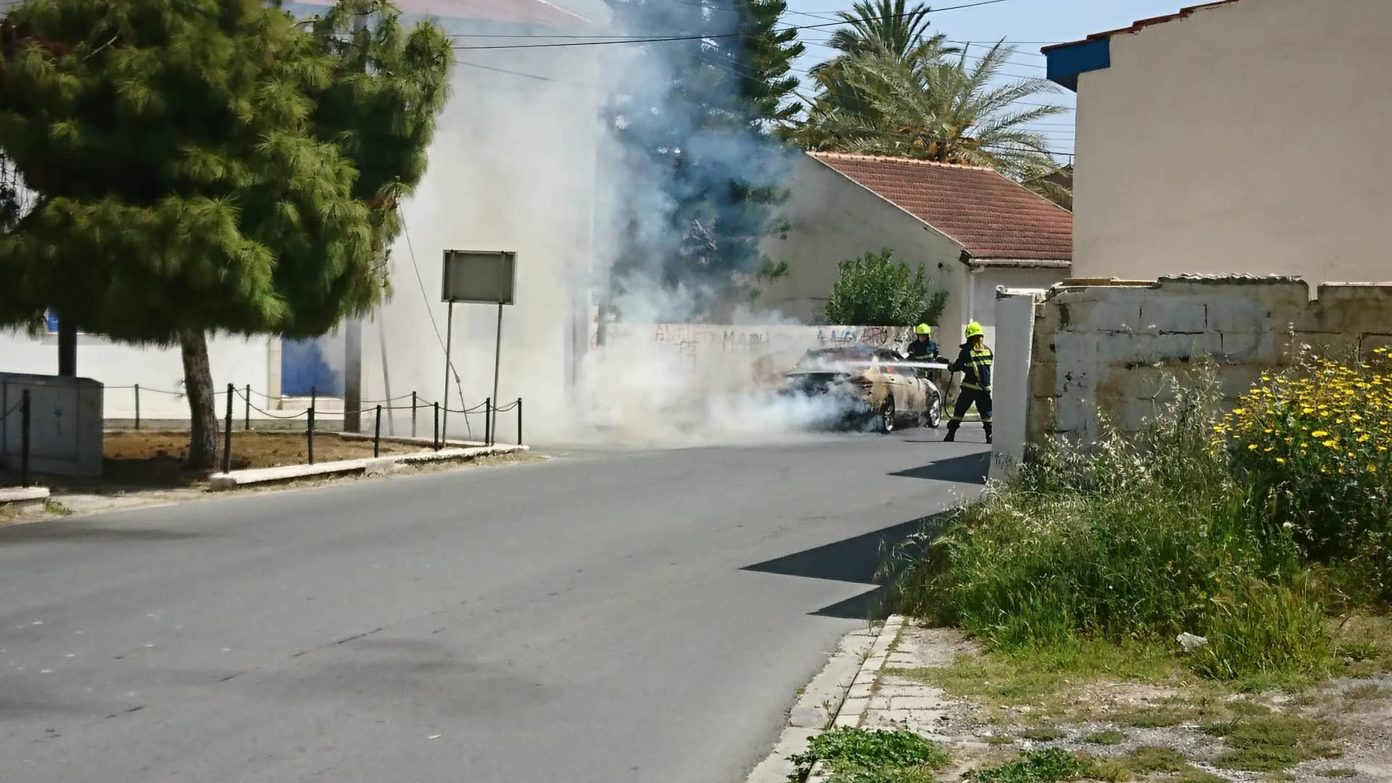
(413, 414)
(25, 428)
(313, 396)
(247, 421)
(137, 407)
(227, 435)
(488, 421)
(519, 421)
(436, 441)
(377, 434)
(309, 435)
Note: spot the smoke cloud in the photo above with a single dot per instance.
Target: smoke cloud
(602, 167)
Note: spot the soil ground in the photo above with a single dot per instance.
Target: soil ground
(134, 460)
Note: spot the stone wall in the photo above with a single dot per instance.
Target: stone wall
(1112, 348)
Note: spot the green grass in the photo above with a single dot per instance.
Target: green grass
(1142, 539)
(1341, 772)
(1045, 677)
(861, 756)
(1106, 737)
(1273, 742)
(1039, 766)
(1147, 763)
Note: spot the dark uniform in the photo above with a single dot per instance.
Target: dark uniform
(975, 366)
(922, 350)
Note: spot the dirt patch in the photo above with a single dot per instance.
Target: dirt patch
(139, 460)
(988, 711)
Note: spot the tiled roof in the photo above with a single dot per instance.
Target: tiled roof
(1140, 24)
(988, 215)
(523, 12)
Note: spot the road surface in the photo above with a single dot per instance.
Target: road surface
(603, 617)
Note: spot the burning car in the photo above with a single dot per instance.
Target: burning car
(864, 384)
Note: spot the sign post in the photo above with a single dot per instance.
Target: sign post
(481, 277)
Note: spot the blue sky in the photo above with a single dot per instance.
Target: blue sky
(1027, 21)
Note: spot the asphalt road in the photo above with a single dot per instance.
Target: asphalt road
(604, 617)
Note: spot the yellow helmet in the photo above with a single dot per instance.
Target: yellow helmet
(974, 330)
(923, 329)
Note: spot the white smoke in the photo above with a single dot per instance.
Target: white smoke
(535, 154)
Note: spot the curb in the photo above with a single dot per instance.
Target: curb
(816, 706)
(239, 479)
(853, 710)
(23, 499)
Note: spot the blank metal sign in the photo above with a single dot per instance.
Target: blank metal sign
(488, 277)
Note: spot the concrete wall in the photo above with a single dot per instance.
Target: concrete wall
(1245, 138)
(833, 219)
(1112, 349)
(765, 350)
(1010, 380)
(117, 366)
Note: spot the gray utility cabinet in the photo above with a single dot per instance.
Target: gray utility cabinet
(65, 424)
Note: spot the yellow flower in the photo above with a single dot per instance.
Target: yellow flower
(1252, 447)
(1372, 468)
(1319, 434)
(1280, 460)
(1330, 444)
(1364, 438)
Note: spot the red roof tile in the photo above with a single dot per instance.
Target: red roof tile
(987, 214)
(523, 12)
(1139, 25)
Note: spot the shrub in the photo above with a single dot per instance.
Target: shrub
(1144, 538)
(1314, 443)
(876, 290)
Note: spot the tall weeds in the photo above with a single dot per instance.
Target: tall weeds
(1146, 537)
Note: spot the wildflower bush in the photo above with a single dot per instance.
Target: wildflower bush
(1147, 537)
(1314, 443)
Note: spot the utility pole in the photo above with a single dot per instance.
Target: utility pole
(352, 325)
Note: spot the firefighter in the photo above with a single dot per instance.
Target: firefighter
(974, 362)
(923, 348)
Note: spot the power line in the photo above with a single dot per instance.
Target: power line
(610, 41)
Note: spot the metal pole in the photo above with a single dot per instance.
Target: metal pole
(519, 421)
(313, 396)
(435, 441)
(413, 414)
(442, 425)
(247, 421)
(25, 428)
(310, 435)
(377, 435)
(488, 421)
(497, 357)
(137, 407)
(227, 434)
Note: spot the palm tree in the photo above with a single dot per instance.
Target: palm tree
(931, 108)
(886, 26)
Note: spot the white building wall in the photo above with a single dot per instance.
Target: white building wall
(159, 371)
(833, 219)
(1250, 137)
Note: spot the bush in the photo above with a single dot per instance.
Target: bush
(1314, 443)
(876, 290)
(1144, 538)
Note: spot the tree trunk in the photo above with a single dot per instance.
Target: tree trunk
(67, 347)
(198, 383)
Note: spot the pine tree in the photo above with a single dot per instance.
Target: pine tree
(708, 137)
(203, 165)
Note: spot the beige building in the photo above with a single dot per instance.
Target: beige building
(1244, 136)
(970, 227)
